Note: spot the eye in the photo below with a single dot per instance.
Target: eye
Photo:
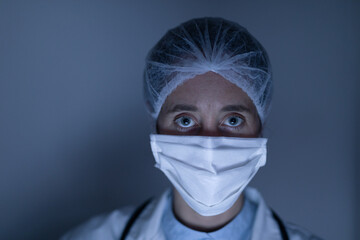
(233, 121)
(185, 122)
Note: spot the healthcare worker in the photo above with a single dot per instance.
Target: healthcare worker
(208, 87)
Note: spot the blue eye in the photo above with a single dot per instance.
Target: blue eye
(233, 121)
(185, 122)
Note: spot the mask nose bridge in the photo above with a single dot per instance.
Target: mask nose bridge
(209, 150)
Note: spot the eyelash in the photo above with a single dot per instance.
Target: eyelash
(186, 129)
(234, 115)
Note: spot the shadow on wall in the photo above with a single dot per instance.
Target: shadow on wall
(94, 171)
(356, 21)
(357, 170)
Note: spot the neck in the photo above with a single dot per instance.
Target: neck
(187, 216)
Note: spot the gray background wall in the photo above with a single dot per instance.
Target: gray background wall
(74, 132)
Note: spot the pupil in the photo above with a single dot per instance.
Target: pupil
(233, 121)
(186, 121)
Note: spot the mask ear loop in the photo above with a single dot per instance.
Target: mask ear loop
(261, 132)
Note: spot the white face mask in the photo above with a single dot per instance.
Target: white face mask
(209, 172)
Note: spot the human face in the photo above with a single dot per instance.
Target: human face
(209, 105)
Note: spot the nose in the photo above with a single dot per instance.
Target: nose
(210, 132)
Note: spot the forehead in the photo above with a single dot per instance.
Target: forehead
(209, 88)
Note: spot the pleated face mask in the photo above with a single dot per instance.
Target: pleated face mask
(210, 173)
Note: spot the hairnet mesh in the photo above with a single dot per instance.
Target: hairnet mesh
(202, 45)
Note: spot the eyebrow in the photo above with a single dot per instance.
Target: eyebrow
(192, 108)
(235, 108)
(183, 107)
